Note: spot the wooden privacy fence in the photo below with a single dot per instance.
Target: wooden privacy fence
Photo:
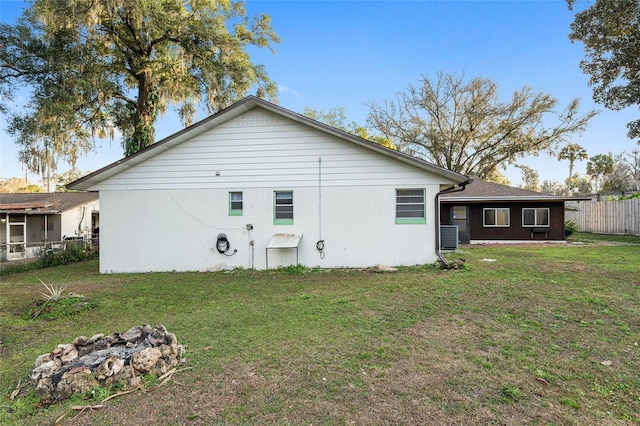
(606, 217)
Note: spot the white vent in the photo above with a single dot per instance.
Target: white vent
(448, 237)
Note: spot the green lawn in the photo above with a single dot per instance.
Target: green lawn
(518, 340)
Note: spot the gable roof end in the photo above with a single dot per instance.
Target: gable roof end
(245, 105)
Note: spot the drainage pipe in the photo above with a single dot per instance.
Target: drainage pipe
(457, 188)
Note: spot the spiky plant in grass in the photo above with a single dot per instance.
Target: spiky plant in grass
(55, 303)
(54, 292)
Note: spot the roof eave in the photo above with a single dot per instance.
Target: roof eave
(31, 212)
(480, 199)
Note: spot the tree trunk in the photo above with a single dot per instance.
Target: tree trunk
(144, 117)
(568, 190)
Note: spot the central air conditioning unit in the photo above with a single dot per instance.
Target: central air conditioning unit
(449, 237)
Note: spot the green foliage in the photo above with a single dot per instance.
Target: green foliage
(97, 67)
(67, 306)
(599, 166)
(625, 176)
(295, 269)
(588, 237)
(150, 380)
(30, 189)
(530, 177)
(98, 393)
(572, 152)
(143, 133)
(570, 227)
(62, 179)
(543, 375)
(610, 33)
(337, 118)
(22, 408)
(511, 392)
(17, 185)
(467, 128)
(72, 253)
(553, 187)
(496, 176)
(570, 402)
(581, 184)
(15, 269)
(630, 196)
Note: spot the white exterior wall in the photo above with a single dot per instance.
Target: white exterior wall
(76, 222)
(165, 213)
(177, 230)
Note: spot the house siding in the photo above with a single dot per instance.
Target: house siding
(516, 231)
(164, 212)
(264, 150)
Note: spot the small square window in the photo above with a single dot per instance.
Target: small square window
(235, 204)
(495, 217)
(283, 208)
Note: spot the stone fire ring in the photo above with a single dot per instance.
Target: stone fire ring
(78, 367)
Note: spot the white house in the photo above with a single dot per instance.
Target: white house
(258, 186)
(29, 221)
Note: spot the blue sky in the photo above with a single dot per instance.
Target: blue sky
(352, 53)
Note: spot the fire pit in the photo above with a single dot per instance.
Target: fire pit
(78, 367)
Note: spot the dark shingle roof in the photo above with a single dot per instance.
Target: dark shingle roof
(481, 191)
(53, 202)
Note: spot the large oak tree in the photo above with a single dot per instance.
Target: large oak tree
(106, 67)
(466, 127)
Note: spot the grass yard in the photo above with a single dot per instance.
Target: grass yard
(546, 334)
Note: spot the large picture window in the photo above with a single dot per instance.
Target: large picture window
(283, 207)
(410, 206)
(498, 216)
(535, 217)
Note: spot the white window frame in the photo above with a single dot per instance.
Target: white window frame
(535, 217)
(495, 216)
